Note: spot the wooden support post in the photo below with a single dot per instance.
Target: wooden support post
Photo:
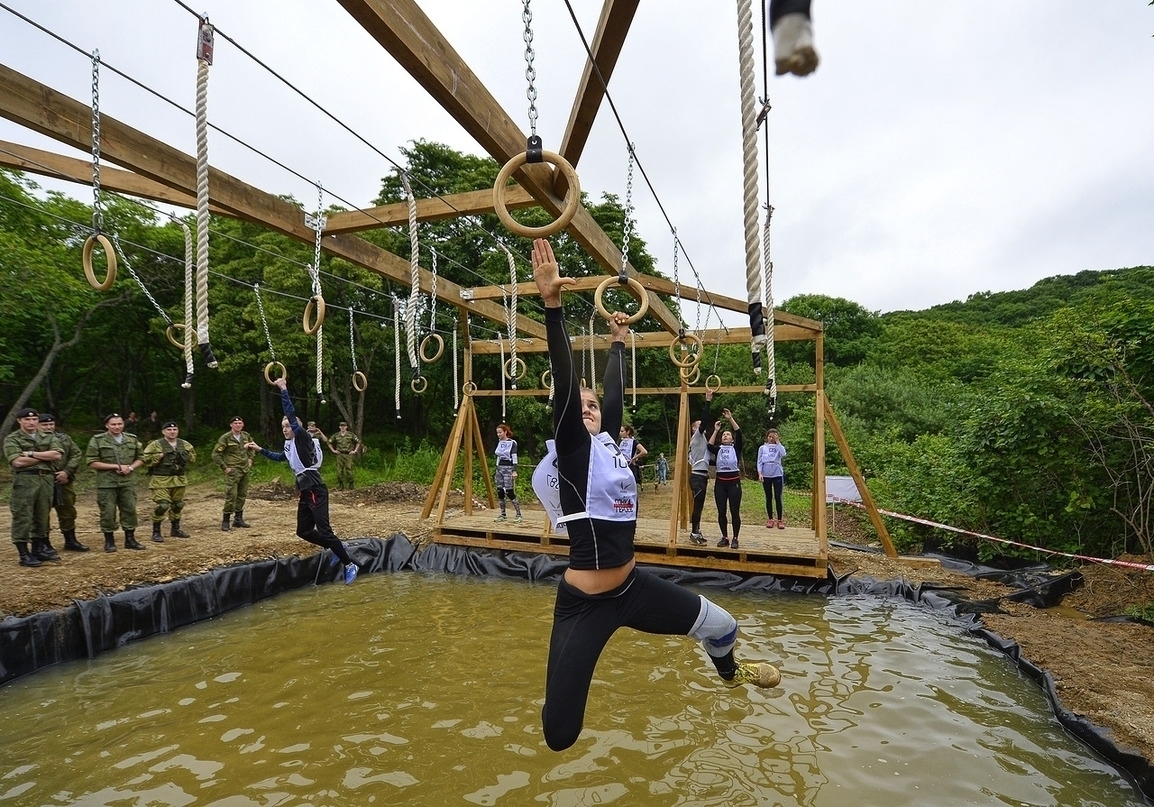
(859, 480)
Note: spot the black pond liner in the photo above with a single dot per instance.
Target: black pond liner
(88, 628)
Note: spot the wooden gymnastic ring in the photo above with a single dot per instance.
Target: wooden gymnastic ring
(509, 368)
(709, 385)
(170, 333)
(439, 341)
(693, 358)
(360, 381)
(268, 368)
(635, 284)
(419, 384)
(469, 389)
(690, 375)
(315, 304)
(573, 198)
(547, 379)
(109, 262)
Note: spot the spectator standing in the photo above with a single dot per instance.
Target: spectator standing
(662, 469)
(64, 493)
(167, 459)
(231, 456)
(115, 455)
(30, 454)
(345, 445)
(772, 476)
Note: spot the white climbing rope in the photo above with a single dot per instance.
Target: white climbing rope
(204, 41)
(414, 280)
(189, 265)
(317, 222)
(510, 300)
(753, 280)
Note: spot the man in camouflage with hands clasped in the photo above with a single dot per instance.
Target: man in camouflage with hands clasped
(30, 455)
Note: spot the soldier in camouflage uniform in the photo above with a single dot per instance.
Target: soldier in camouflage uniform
(167, 460)
(115, 455)
(345, 445)
(64, 495)
(231, 456)
(30, 455)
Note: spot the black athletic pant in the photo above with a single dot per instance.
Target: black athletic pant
(313, 522)
(773, 487)
(728, 493)
(697, 485)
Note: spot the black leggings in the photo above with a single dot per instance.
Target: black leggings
(728, 492)
(313, 522)
(773, 486)
(582, 625)
(697, 484)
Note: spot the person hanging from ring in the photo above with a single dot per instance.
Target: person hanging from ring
(592, 486)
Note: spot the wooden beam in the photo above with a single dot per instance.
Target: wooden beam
(434, 209)
(404, 30)
(653, 283)
(44, 110)
(648, 340)
(49, 164)
(616, 17)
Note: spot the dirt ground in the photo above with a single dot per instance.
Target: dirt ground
(1104, 671)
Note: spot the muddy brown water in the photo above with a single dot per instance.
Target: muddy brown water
(426, 689)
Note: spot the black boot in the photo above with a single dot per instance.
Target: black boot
(176, 532)
(225, 526)
(43, 550)
(109, 542)
(238, 520)
(130, 541)
(71, 544)
(26, 557)
(156, 536)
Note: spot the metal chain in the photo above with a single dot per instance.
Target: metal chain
(124, 259)
(97, 207)
(433, 293)
(263, 321)
(628, 214)
(530, 72)
(317, 222)
(676, 277)
(352, 344)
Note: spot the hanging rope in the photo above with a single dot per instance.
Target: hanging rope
(432, 337)
(274, 364)
(592, 356)
(753, 280)
(515, 368)
(397, 353)
(501, 346)
(97, 238)
(189, 263)
(633, 366)
(456, 381)
(414, 288)
(771, 359)
(360, 380)
(534, 153)
(204, 44)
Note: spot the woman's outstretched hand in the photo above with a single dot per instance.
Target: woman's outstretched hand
(547, 274)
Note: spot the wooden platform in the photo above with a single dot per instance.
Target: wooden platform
(792, 552)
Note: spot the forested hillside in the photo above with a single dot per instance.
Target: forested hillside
(1026, 414)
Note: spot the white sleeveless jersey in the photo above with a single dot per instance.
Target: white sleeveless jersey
(627, 446)
(610, 490)
(547, 485)
(294, 461)
(727, 460)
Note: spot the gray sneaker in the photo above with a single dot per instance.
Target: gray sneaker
(697, 538)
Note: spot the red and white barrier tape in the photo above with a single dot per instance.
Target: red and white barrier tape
(1144, 566)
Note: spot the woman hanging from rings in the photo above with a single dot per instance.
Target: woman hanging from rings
(588, 481)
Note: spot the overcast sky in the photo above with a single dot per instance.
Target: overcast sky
(941, 149)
